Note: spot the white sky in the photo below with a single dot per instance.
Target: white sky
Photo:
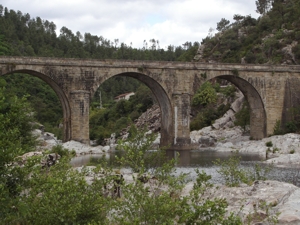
(172, 22)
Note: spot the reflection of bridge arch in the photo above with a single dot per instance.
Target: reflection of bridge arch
(61, 95)
(258, 128)
(163, 102)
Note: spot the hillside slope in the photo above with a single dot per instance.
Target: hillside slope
(273, 38)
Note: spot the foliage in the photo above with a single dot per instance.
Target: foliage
(257, 40)
(16, 139)
(269, 144)
(62, 196)
(259, 172)
(243, 116)
(206, 116)
(277, 128)
(159, 201)
(268, 216)
(23, 35)
(223, 24)
(233, 174)
(263, 6)
(63, 152)
(205, 95)
(4, 48)
(136, 150)
(203, 210)
(292, 151)
(228, 91)
(231, 171)
(42, 98)
(119, 115)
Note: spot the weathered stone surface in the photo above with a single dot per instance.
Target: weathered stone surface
(151, 118)
(288, 53)
(279, 197)
(289, 209)
(21, 160)
(173, 83)
(205, 141)
(82, 149)
(233, 134)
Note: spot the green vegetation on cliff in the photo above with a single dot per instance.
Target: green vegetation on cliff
(267, 39)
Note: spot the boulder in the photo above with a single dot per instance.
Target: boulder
(205, 141)
(50, 160)
(21, 160)
(265, 198)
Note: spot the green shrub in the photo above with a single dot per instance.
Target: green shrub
(260, 172)
(65, 197)
(235, 72)
(243, 116)
(228, 91)
(205, 95)
(269, 144)
(231, 171)
(135, 149)
(59, 149)
(207, 115)
(277, 128)
(292, 151)
(233, 174)
(291, 127)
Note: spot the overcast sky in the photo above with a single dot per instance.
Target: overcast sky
(133, 21)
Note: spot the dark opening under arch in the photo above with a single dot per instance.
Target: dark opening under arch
(167, 127)
(61, 95)
(258, 122)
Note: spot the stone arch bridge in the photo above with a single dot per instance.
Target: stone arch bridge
(272, 91)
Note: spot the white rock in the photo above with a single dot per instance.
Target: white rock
(106, 148)
(286, 159)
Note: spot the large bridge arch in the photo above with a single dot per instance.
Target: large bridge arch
(258, 120)
(167, 127)
(67, 134)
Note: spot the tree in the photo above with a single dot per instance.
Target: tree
(238, 17)
(16, 139)
(263, 6)
(223, 24)
(4, 48)
(205, 95)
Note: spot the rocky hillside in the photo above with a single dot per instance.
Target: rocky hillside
(272, 38)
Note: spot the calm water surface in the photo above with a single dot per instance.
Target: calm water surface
(203, 160)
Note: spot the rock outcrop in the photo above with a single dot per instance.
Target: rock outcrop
(151, 118)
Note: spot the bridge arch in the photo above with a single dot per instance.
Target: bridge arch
(167, 128)
(258, 119)
(67, 135)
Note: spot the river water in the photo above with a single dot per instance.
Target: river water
(203, 160)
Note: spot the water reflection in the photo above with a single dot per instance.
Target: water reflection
(193, 158)
(202, 160)
(205, 158)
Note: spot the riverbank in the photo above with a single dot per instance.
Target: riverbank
(269, 198)
(280, 150)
